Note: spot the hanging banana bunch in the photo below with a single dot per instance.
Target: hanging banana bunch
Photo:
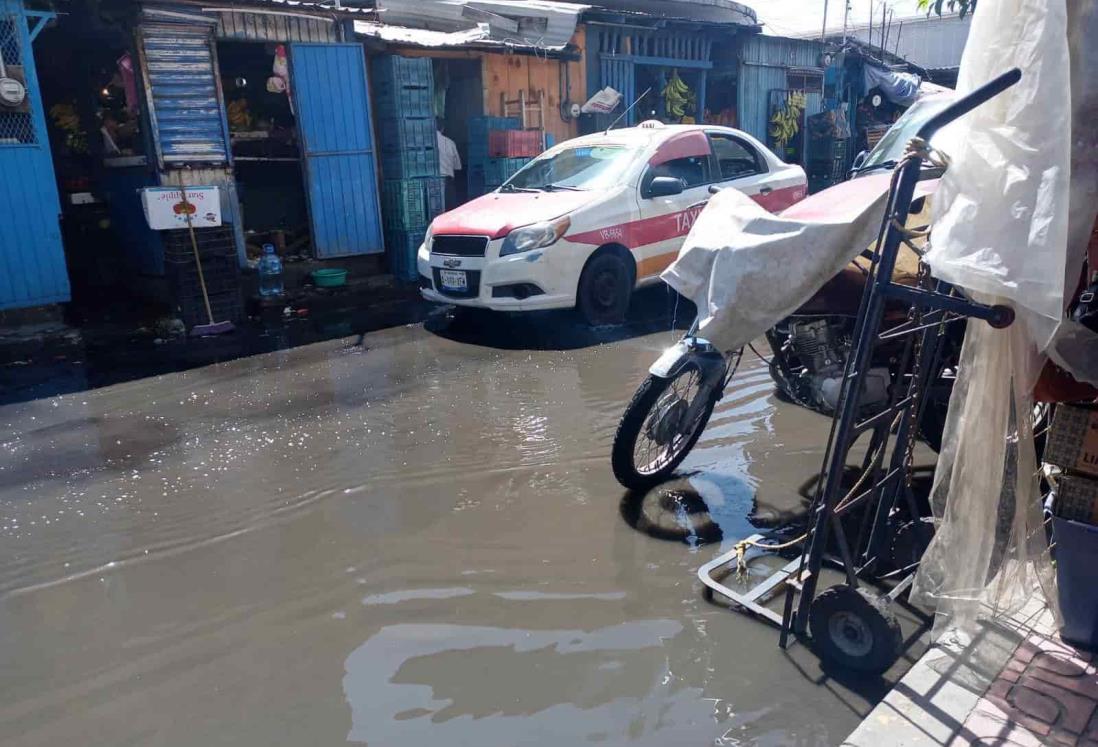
(786, 122)
(677, 97)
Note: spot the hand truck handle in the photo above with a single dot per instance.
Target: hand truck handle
(963, 106)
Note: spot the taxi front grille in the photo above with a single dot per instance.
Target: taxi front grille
(459, 246)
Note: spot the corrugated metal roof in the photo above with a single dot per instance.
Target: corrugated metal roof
(541, 23)
(419, 37)
(927, 42)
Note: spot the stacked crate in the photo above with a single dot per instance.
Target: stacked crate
(412, 191)
(478, 159)
(827, 162)
(499, 170)
(220, 270)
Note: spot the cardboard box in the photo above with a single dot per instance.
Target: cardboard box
(1073, 440)
(1077, 499)
(164, 209)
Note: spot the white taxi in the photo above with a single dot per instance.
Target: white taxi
(593, 218)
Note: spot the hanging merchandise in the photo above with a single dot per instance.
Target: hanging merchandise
(678, 97)
(786, 121)
(129, 82)
(279, 82)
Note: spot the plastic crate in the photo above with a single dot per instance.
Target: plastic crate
(405, 72)
(217, 241)
(409, 163)
(407, 133)
(434, 193)
(514, 143)
(404, 204)
(479, 127)
(225, 306)
(403, 102)
(499, 170)
(221, 274)
(401, 249)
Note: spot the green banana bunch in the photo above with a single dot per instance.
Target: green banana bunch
(786, 122)
(677, 96)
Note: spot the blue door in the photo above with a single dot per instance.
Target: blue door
(32, 260)
(333, 114)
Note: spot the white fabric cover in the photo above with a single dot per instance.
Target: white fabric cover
(747, 269)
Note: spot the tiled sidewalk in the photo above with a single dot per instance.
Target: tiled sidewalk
(1013, 683)
(1046, 695)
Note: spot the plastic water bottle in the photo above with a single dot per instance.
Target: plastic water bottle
(270, 272)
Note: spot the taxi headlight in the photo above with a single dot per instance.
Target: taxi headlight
(535, 236)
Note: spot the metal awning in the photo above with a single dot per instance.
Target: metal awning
(534, 24)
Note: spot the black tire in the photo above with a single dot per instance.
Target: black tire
(605, 289)
(855, 630)
(629, 430)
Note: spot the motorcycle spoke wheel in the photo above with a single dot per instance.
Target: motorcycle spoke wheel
(663, 436)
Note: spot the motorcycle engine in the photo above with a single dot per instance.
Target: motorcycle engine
(822, 346)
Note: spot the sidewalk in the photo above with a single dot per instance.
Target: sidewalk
(1014, 683)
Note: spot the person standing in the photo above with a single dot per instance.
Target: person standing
(449, 162)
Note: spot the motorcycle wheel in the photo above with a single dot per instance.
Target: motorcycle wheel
(652, 440)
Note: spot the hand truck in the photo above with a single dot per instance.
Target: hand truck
(883, 536)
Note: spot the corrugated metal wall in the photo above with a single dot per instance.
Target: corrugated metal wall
(32, 260)
(337, 136)
(764, 61)
(184, 93)
(262, 27)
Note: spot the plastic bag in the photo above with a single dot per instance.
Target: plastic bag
(1002, 231)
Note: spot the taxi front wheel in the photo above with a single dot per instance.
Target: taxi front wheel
(605, 288)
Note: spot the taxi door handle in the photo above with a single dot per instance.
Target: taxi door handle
(766, 190)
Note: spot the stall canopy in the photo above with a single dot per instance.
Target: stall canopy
(542, 24)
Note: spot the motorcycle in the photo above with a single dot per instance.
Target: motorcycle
(670, 410)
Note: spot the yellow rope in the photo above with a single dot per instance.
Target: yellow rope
(742, 546)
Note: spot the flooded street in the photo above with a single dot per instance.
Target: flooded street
(416, 540)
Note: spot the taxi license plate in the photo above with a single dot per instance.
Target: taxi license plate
(453, 280)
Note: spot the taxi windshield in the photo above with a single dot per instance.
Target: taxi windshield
(579, 168)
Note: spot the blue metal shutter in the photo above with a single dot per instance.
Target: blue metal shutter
(32, 260)
(185, 106)
(333, 115)
(619, 75)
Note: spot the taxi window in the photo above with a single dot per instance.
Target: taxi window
(693, 170)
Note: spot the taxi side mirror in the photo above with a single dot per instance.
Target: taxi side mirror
(665, 186)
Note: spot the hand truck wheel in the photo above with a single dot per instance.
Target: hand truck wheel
(855, 630)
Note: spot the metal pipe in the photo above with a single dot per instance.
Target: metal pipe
(823, 29)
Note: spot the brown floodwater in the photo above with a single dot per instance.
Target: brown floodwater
(412, 541)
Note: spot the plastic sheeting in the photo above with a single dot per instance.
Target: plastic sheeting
(1001, 230)
(899, 88)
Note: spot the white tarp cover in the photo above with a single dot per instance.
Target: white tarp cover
(747, 269)
(1002, 231)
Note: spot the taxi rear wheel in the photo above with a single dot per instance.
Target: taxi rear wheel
(605, 288)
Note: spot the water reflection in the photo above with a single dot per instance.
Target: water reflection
(479, 685)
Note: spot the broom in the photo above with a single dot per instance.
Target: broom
(213, 328)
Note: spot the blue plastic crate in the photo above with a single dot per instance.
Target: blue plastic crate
(409, 163)
(403, 204)
(499, 170)
(401, 249)
(407, 133)
(403, 72)
(434, 195)
(403, 102)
